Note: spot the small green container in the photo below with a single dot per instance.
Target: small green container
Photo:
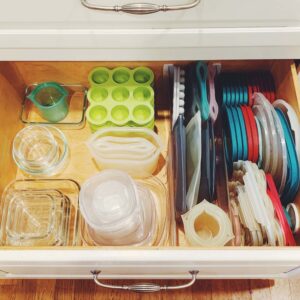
(101, 76)
(51, 100)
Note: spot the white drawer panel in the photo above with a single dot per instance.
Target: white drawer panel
(209, 13)
(150, 263)
(146, 44)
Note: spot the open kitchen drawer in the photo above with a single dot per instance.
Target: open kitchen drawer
(174, 261)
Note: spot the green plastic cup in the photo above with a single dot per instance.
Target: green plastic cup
(51, 100)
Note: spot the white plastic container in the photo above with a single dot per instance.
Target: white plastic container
(132, 150)
(117, 210)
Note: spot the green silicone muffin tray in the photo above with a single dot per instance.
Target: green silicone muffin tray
(102, 76)
(120, 106)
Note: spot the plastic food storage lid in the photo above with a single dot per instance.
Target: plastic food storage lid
(107, 197)
(280, 170)
(139, 230)
(260, 204)
(260, 100)
(291, 115)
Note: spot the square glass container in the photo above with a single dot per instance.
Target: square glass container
(39, 213)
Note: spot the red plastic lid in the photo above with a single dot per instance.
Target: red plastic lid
(273, 194)
(255, 137)
(248, 131)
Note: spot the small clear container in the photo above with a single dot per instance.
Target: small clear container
(40, 150)
(137, 229)
(77, 102)
(107, 198)
(39, 213)
(153, 230)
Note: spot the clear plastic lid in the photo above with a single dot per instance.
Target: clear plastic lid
(153, 228)
(107, 198)
(137, 230)
(260, 100)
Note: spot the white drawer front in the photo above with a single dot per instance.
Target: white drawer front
(209, 13)
(168, 264)
(147, 44)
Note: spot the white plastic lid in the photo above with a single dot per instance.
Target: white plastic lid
(107, 197)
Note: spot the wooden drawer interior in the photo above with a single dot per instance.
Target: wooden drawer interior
(14, 76)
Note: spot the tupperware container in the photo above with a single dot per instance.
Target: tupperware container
(109, 205)
(153, 230)
(133, 150)
(39, 213)
(102, 76)
(40, 150)
(51, 100)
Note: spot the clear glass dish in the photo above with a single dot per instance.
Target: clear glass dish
(77, 106)
(39, 213)
(40, 150)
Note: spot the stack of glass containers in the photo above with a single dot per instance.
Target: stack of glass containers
(39, 213)
(40, 150)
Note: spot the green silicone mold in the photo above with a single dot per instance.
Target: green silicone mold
(115, 113)
(140, 94)
(102, 76)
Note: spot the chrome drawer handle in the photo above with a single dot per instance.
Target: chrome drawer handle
(140, 8)
(145, 287)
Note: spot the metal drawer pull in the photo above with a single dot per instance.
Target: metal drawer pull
(145, 287)
(140, 8)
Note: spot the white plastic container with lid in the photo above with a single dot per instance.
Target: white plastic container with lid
(117, 210)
